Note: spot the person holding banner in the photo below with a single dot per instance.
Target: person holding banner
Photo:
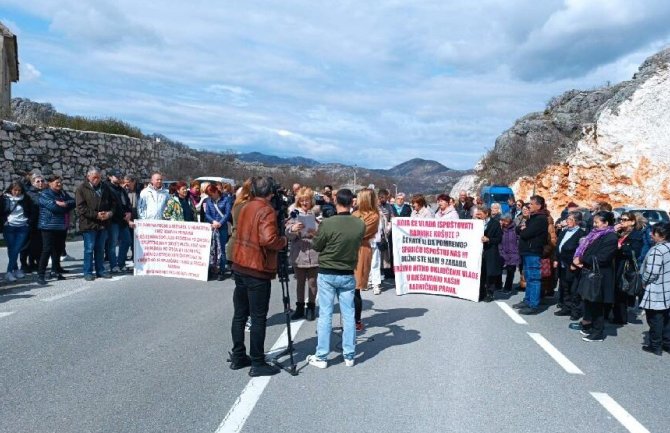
(369, 213)
(153, 198)
(400, 208)
(491, 261)
(257, 243)
(179, 207)
(420, 208)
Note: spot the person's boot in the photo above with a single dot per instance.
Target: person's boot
(310, 314)
(299, 312)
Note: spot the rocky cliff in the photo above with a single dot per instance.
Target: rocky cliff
(608, 144)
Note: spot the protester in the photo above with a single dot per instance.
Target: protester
(630, 244)
(194, 197)
(95, 204)
(217, 213)
(368, 212)
(378, 245)
(599, 246)
(153, 199)
(420, 208)
(303, 257)
(464, 205)
(445, 208)
(656, 298)
(338, 242)
(509, 250)
(386, 253)
(118, 230)
(496, 211)
(55, 204)
(491, 261)
(567, 243)
(548, 275)
(254, 266)
(179, 206)
(15, 215)
(511, 203)
(400, 208)
(30, 255)
(533, 236)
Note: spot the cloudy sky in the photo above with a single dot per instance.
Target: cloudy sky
(370, 82)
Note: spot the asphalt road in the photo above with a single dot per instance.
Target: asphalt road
(147, 354)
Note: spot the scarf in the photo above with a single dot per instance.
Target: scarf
(591, 238)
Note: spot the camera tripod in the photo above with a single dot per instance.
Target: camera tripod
(282, 275)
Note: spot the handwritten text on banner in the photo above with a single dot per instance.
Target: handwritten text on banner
(440, 257)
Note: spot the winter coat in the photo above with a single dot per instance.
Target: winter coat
(302, 253)
(533, 236)
(122, 203)
(21, 206)
(603, 251)
(647, 243)
(491, 255)
(405, 211)
(90, 202)
(424, 212)
(257, 240)
(34, 195)
(565, 254)
(52, 216)
(174, 210)
(656, 278)
(509, 246)
(223, 215)
(627, 253)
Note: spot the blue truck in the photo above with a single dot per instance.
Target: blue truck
(497, 194)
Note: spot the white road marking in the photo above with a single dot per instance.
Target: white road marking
(561, 359)
(6, 313)
(64, 295)
(618, 412)
(511, 313)
(245, 403)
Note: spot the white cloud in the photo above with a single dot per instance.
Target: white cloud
(28, 72)
(376, 82)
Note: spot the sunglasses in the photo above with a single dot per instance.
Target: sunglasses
(625, 219)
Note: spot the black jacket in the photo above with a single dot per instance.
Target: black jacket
(603, 250)
(122, 203)
(567, 253)
(491, 255)
(533, 237)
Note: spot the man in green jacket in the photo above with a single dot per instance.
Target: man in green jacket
(337, 242)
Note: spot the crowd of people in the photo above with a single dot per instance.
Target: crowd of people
(339, 245)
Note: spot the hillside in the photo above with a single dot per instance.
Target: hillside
(605, 144)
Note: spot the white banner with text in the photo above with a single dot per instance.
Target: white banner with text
(172, 249)
(439, 257)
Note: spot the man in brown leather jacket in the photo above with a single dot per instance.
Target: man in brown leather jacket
(254, 259)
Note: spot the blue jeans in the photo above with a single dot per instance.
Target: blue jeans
(118, 233)
(342, 286)
(94, 248)
(16, 238)
(531, 271)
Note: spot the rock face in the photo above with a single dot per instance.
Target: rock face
(616, 149)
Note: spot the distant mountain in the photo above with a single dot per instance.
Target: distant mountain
(276, 160)
(424, 176)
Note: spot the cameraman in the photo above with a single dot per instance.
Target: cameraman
(257, 242)
(325, 202)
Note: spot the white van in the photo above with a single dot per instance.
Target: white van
(215, 179)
